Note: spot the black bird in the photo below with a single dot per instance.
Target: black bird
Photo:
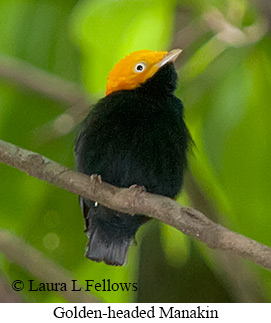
(135, 135)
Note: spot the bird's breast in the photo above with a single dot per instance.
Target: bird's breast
(136, 140)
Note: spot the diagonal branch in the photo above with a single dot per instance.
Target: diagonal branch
(18, 251)
(27, 76)
(134, 201)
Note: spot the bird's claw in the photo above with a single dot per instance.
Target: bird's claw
(95, 178)
(137, 188)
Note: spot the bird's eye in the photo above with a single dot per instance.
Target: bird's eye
(140, 67)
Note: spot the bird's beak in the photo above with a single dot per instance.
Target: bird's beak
(170, 57)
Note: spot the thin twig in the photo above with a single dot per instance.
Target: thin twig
(27, 76)
(134, 201)
(62, 124)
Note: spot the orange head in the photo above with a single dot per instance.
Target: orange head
(137, 67)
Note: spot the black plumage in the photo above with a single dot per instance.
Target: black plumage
(131, 137)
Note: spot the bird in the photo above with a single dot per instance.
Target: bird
(135, 136)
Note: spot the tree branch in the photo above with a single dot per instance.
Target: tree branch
(55, 88)
(16, 250)
(136, 201)
(27, 76)
(8, 295)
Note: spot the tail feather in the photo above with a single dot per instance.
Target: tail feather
(99, 248)
(109, 232)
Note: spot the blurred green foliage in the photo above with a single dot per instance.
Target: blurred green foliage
(225, 84)
(107, 30)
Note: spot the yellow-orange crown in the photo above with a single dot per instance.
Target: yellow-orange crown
(135, 68)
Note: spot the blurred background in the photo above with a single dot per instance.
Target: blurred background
(54, 60)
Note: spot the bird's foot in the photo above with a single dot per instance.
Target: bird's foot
(137, 188)
(96, 179)
(136, 196)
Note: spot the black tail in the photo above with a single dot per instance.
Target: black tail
(109, 232)
(101, 247)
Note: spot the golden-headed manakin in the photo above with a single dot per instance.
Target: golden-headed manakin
(134, 135)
